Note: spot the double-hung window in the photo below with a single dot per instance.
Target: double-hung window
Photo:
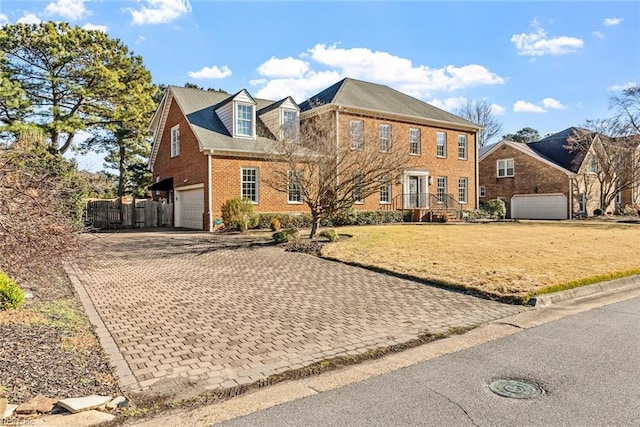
(175, 140)
(441, 189)
(249, 184)
(357, 134)
(462, 147)
(505, 168)
(358, 188)
(294, 191)
(385, 138)
(462, 190)
(385, 190)
(414, 141)
(441, 144)
(244, 120)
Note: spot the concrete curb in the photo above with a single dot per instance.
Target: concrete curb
(586, 291)
(125, 376)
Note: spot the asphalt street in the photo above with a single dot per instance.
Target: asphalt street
(587, 365)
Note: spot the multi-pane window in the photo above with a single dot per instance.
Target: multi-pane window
(462, 190)
(462, 146)
(175, 141)
(593, 164)
(249, 184)
(357, 134)
(483, 191)
(244, 120)
(441, 189)
(441, 144)
(385, 190)
(385, 137)
(289, 124)
(583, 202)
(414, 141)
(358, 189)
(505, 168)
(294, 192)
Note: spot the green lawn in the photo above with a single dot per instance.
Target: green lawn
(506, 260)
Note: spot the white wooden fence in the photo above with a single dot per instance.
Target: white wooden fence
(142, 213)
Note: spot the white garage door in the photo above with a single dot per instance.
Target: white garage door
(189, 208)
(539, 206)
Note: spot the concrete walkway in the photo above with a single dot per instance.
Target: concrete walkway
(226, 310)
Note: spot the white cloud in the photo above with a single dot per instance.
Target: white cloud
(211, 72)
(102, 28)
(527, 107)
(68, 9)
(256, 82)
(610, 22)
(141, 39)
(552, 103)
(538, 43)
(287, 67)
(160, 11)
(498, 110)
(3, 19)
(598, 34)
(449, 104)
(29, 18)
(323, 65)
(618, 88)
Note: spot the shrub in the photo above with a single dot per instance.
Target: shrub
(287, 220)
(238, 214)
(285, 235)
(597, 212)
(275, 224)
(11, 296)
(496, 208)
(329, 234)
(629, 210)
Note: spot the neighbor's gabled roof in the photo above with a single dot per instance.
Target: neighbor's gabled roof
(525, 148)
(380, 98)
(557, 148)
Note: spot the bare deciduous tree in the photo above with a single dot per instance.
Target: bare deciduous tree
(626, 108)
(40, 198)
(329, 177)
(480, 112)
(614, 164)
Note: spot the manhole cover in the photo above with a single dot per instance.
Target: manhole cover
(516, 389)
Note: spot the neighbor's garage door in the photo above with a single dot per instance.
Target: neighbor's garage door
(189, 208)
(539, 206)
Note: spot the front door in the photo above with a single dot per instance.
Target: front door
(414, 192)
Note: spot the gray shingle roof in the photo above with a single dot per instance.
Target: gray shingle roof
(371, 96)
(199, 108)
(555, 148)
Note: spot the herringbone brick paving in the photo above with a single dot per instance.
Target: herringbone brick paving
(232, 309)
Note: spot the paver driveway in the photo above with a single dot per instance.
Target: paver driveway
(229, 309)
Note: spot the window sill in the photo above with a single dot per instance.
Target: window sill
(294, 203)
(414, 154)
(385, 203)
(441, 157)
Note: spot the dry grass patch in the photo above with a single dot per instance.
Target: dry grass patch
(504, 260)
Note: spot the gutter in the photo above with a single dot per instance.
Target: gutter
(570, 198)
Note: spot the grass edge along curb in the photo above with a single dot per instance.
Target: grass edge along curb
(585, 282)
(147, 407)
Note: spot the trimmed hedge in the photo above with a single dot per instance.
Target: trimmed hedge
(348, 218)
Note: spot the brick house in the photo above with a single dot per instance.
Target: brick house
(209, 147)
(545, 179)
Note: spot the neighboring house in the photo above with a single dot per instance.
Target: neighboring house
(548, 179)
(209, 147)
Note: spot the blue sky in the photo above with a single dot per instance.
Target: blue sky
(546, 65)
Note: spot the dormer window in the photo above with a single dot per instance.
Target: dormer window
(290, 124)
(244, 120)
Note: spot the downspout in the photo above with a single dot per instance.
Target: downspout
(209, 185)
(337, 144)
(477, 171)
(570, 198)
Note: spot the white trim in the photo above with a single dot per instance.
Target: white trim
(466, 147)
(444, 146)
(210, 192)
(257, 201)
(506, 168)
(189, 187)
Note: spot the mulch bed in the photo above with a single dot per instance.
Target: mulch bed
(38, 357)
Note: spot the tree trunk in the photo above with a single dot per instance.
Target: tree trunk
(315, 223)
(122, 170)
